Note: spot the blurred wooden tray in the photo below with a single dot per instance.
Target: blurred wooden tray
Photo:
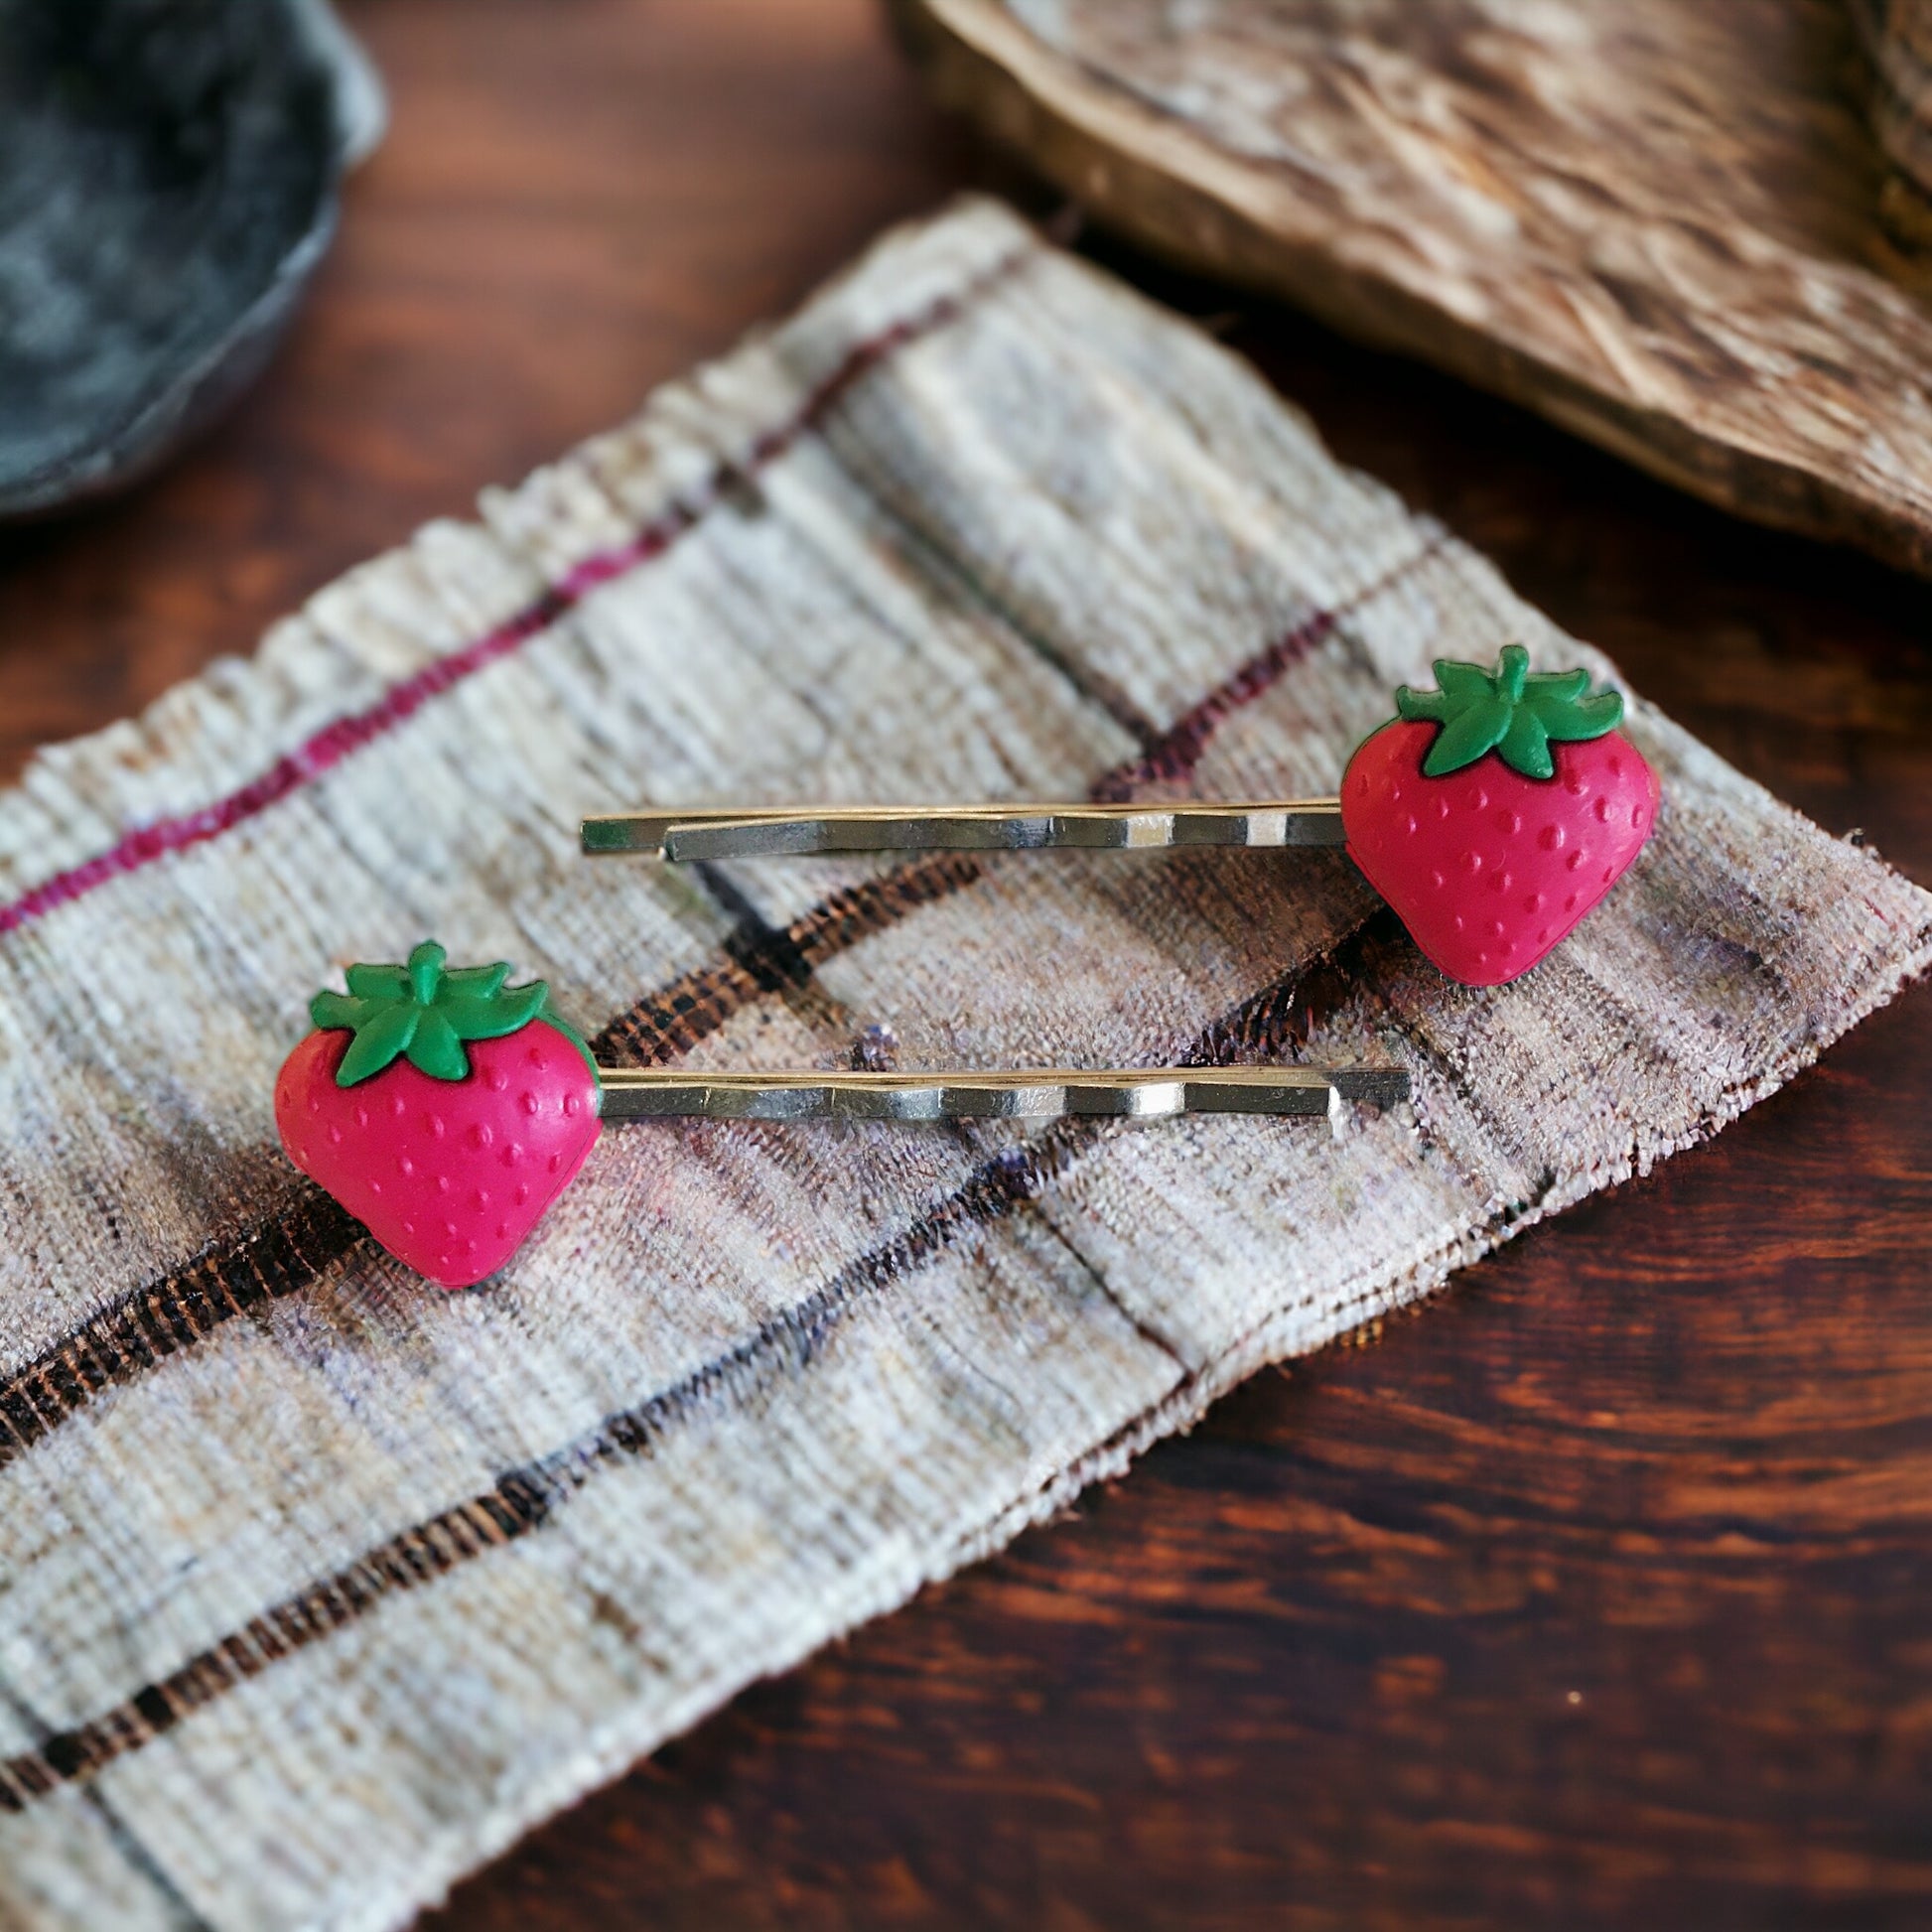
(1655, 222)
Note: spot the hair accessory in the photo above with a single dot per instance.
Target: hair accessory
(447, 1109)
(1492, 814)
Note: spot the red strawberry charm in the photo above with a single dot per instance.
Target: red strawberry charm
(445, 1110)
(1494, 811)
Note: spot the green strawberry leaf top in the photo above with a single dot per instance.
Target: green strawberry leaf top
(424, 1012)
(1511, 711)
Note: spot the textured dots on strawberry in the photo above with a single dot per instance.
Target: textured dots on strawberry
(1506, 782)
(412, 1090)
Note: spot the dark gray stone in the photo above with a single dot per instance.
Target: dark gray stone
(168, 183)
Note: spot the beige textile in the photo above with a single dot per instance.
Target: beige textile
(317, 1587)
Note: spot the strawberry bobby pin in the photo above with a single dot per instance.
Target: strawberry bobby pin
(446, 1109)
(1492, 814)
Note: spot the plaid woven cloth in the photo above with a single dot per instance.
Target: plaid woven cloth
(316, 1587)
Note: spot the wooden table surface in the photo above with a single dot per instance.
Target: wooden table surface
(1597, 1593)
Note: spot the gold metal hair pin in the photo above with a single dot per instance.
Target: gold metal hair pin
(759, 832)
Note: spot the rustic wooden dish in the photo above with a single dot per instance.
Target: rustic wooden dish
(1656, 223)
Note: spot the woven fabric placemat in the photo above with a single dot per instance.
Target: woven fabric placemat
(317, 1587)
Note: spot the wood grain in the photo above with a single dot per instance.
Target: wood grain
(1893, 37)
(1653, 222)
(1313, 1667)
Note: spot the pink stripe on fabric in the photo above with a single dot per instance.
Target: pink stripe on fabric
(336, 742)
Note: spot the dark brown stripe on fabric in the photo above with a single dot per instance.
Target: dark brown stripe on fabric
(275, 1259)
(162, 1319)
(771, 961)
(1266, 1024)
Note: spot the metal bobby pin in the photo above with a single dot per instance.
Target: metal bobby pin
(1031, 1094)
(771, 831)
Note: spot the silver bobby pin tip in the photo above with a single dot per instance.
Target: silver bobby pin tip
(1031, 1093)
(750, 832)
